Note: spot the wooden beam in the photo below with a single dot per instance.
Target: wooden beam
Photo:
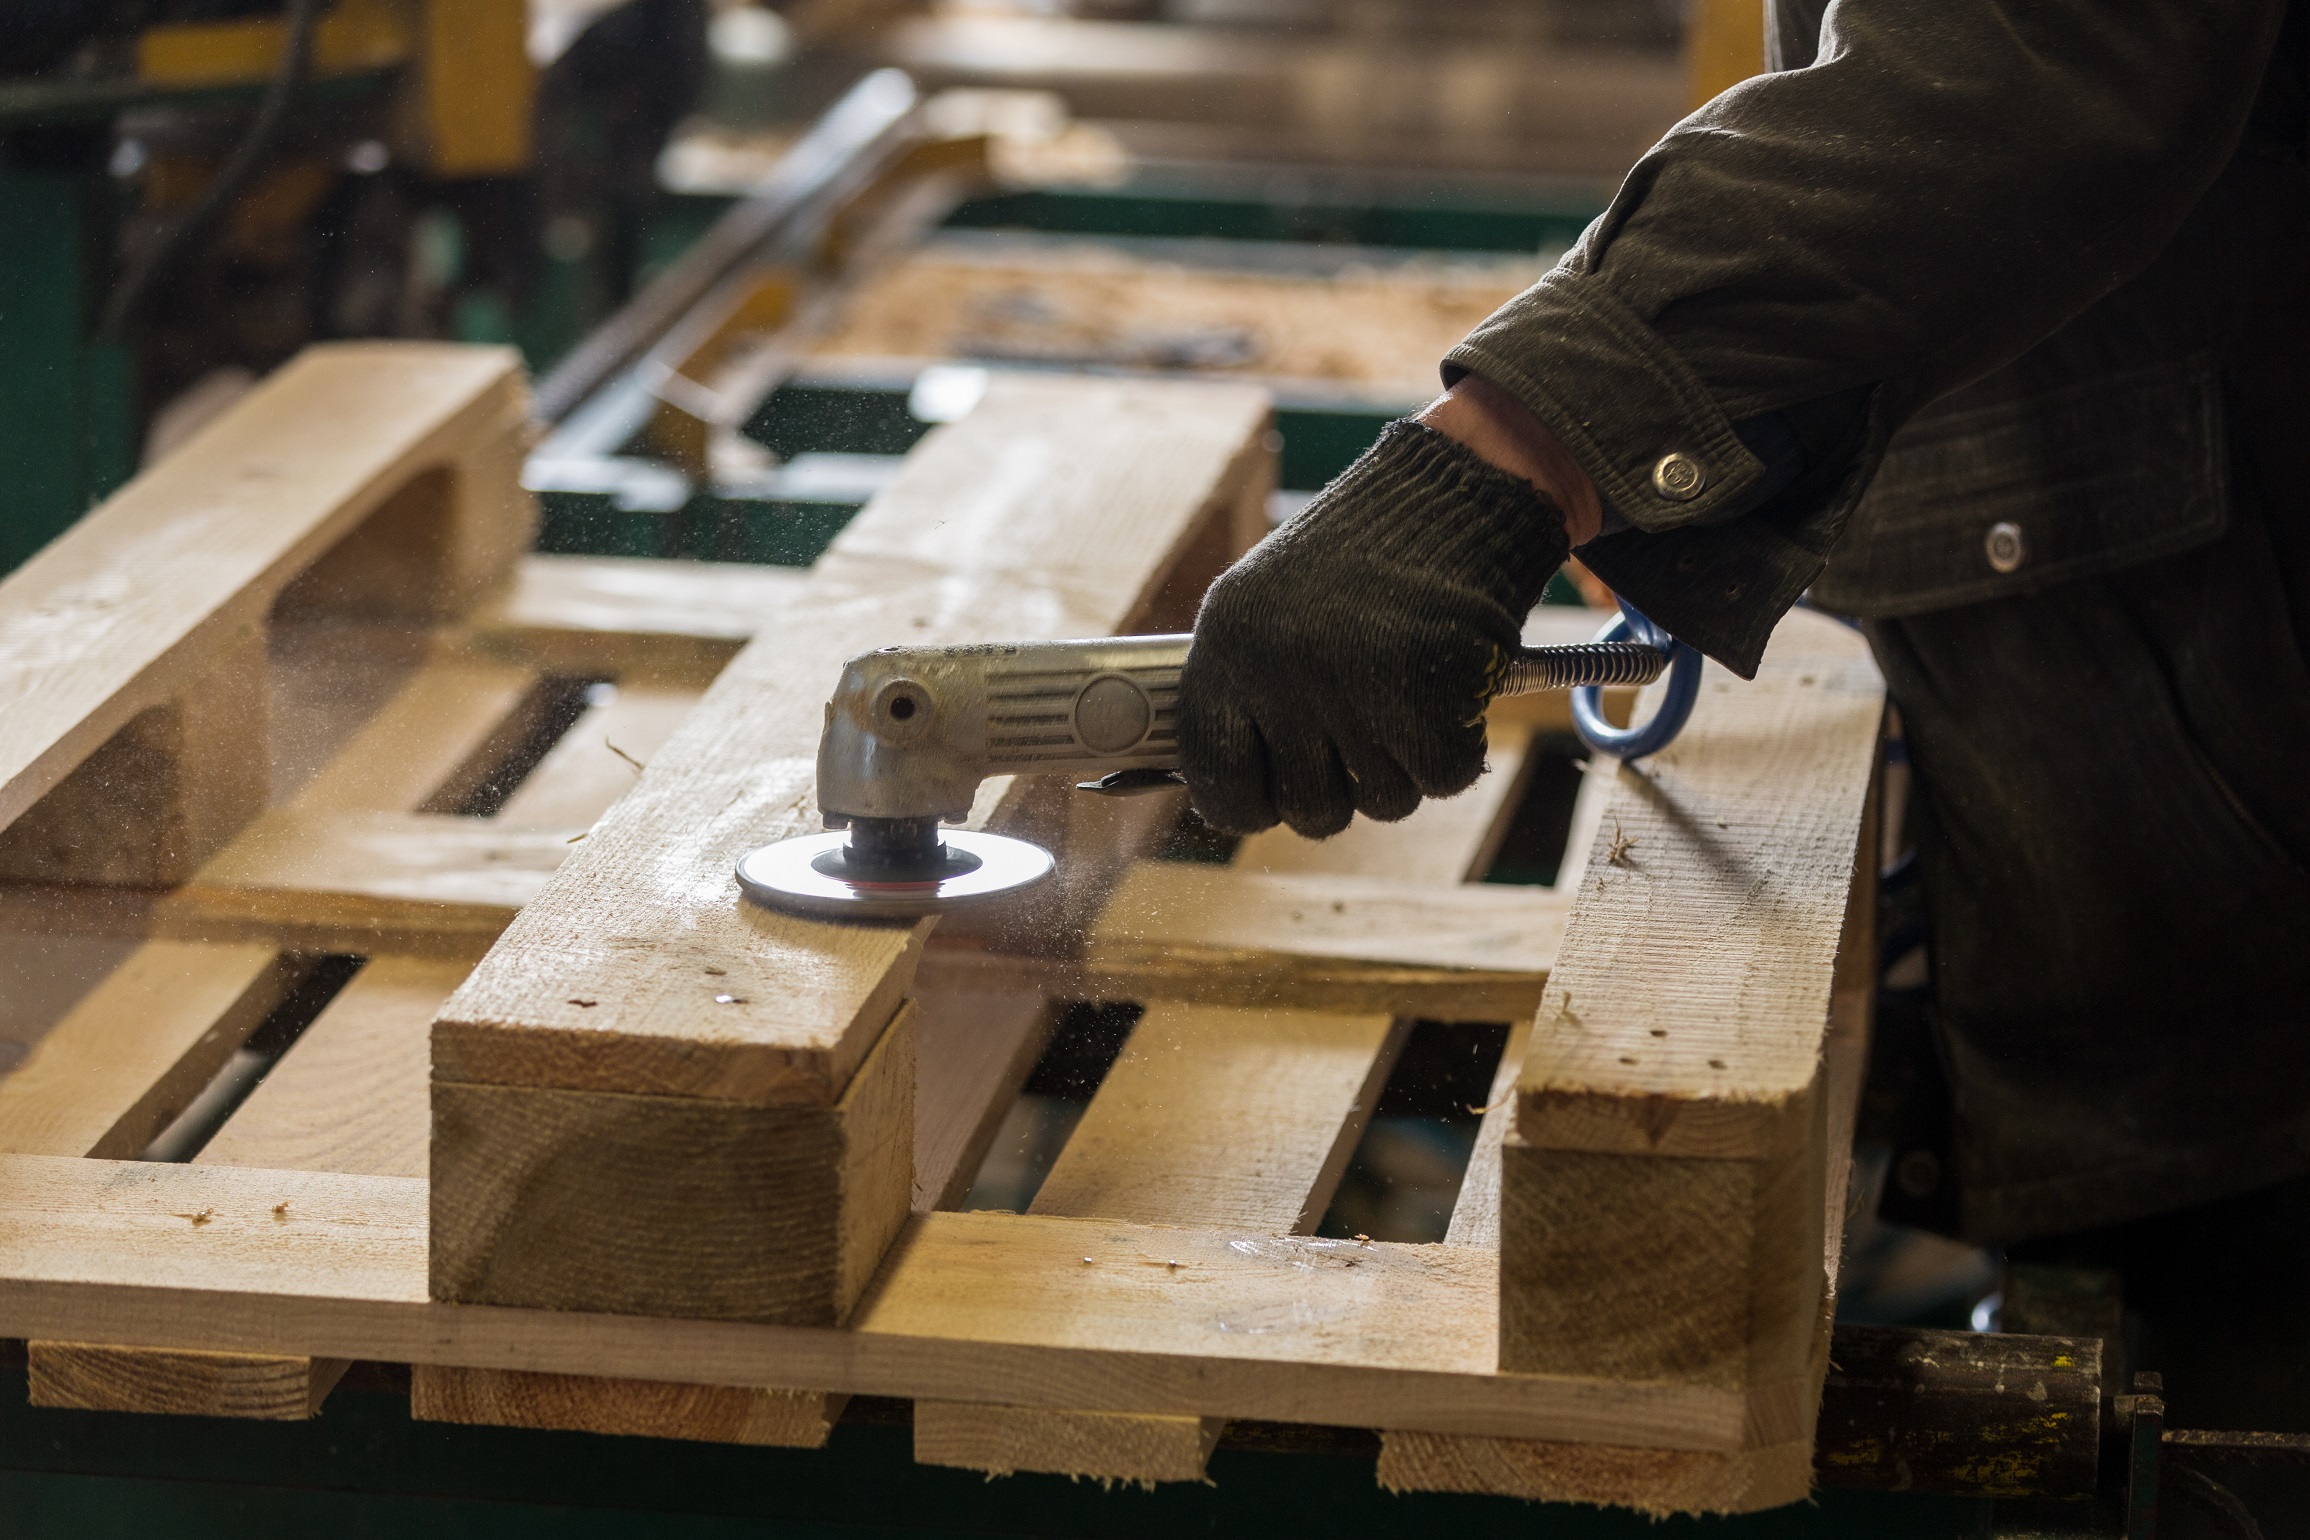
(444, 732)
(727, 1015)
(350, 1094)
(273, 1387)
(364, 881)
(160, 795)
(973, 1049)
(717, 1414)
(1214, 1118)
(632, 618)
(1177, 930)
(367, 477)
(599, 758)
(968, 1306)
(1225, 1119)
(137, 1048)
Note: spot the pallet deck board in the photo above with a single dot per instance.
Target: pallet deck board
(970, 1306)
(125, 1060)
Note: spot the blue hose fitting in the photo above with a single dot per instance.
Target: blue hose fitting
(1638, 740)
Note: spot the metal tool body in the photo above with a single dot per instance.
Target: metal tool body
(912, 731)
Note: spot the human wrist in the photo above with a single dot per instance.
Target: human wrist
(1497, 427)
(1423, 499)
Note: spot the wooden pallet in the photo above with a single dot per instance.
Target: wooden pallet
(665, 1163)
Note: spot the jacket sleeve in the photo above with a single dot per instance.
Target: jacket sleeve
(1945, 185)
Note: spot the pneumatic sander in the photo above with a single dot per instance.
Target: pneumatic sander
(912, 731)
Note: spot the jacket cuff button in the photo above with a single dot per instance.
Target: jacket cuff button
(1679, 478)
(2004, 547)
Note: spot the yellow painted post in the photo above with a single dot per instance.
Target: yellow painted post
(479, 89)
(1724, 46)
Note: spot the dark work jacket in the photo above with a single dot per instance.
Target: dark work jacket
(1988, 321)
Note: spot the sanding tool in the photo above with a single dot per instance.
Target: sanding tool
(912, 731)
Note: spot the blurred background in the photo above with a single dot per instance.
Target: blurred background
(752, 252)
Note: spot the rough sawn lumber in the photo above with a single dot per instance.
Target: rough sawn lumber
(967, 1306)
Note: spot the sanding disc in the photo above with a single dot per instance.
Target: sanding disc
(783, 876)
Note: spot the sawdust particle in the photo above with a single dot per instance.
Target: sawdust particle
(281, 1209)
(201, 1218)
(1617, 855)
(583, 1005)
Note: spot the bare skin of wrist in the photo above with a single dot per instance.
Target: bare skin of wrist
(1498, 428)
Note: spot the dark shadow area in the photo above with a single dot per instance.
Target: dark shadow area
(190, 1131)
(1407, 1169)
(1085, 1044)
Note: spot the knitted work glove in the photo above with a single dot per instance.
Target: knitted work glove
(1343, 665)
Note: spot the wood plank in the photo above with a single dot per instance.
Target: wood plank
(632, 617)
(968, 1307)
(440, 735)
(718, 1414)
(973, 1049)
(596, 761)
(1105, 1446)
(1730, 890)
(269, 1386)
(1476, 1212)
(1227, 1119)
(1232, 1119)
(350, 1094)
(1053, 509)
(88, 642)
(371, 879)
(1230, 936)
(126, 1060)
(1058, 507)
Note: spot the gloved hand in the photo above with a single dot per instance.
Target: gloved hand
(1344, 664)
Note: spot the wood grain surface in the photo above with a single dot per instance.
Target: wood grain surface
(968, 1306)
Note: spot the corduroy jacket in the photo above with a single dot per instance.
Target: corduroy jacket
(1988, 323)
